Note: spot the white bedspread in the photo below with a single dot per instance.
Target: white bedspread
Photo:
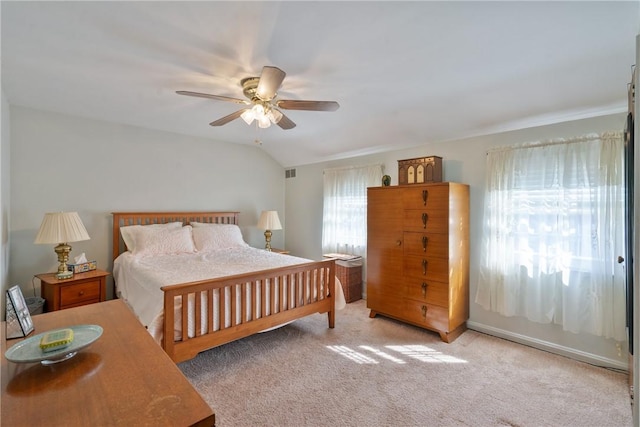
(138, 280)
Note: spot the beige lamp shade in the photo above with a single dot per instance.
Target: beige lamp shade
(269, 221)
(61, 227)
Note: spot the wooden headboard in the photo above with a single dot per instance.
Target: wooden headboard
(122, 219)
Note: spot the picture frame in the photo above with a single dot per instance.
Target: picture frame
(19, 323)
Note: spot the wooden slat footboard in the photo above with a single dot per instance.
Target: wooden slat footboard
(243, 305)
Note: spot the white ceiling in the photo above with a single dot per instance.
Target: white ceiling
(404, 73)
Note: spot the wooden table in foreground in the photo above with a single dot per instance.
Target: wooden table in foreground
(123, 378)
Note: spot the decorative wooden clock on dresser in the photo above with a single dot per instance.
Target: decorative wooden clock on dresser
(418, 255)
(81, 289)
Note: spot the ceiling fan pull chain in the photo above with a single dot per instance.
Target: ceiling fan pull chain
(257, 141)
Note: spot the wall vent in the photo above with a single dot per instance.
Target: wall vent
(290, 173)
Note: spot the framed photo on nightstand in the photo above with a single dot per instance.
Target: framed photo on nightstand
(19, 323)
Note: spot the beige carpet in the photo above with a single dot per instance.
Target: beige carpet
(378, 372)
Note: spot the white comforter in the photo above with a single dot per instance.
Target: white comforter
(139, 279)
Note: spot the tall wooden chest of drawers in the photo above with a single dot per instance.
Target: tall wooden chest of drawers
(418, 255)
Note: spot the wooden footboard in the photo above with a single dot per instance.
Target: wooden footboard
(229, 308)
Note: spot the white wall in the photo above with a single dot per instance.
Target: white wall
(5, 193)
(66, 163)
(463, 161)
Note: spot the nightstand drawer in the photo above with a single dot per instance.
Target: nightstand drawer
(81, 289)
(81, 293)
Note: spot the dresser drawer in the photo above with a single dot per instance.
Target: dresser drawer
(427, 315)
(428, 196)
(424, 268)
(428, 291)
(80, 293)
(426, 220)
(425, 244)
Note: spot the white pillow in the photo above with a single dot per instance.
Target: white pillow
(211, 237)
(130, 232)
(162, 241)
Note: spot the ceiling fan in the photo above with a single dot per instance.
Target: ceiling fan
(262, 105)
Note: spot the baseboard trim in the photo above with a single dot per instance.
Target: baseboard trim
(572, 353)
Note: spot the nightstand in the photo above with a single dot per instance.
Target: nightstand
(280, 251)
(81, 289)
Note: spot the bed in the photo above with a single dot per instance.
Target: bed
(232, 290)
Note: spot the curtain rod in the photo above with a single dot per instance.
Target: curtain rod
(558, 141)
(342, 168)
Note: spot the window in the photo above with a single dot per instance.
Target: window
(553, 228)
(344, 219)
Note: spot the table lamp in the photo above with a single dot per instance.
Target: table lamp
(62, 228)
(269, 221)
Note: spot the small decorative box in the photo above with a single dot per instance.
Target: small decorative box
(56, 340)
(421, 170)
(83, 267)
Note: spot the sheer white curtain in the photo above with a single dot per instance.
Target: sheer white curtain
(344, 219)
(553, 228)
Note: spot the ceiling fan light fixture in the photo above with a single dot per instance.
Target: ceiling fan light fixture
(257, 112)
(274, 115)
(264, 122)
(248, 116)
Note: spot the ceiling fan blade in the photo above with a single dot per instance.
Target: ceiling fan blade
(217, 97)
(286, 123)
(269, 83)
(289, 104)
(227, 119)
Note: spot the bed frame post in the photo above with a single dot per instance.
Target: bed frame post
(332, 294)
(168, 343)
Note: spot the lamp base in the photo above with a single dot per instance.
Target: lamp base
(63, 256)
(64, 275)
(267, 237)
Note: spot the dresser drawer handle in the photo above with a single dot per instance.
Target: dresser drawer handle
(425, 217)
(424, 243)
(424, 311)
(398, 242)
(425, 193)
(424, 289)
(81, 293)
(424, 267)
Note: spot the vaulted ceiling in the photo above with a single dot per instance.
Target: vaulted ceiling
(404, 73)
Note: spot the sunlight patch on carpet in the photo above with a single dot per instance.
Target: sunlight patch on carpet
(425, 354)
(382, 354)
(352, 354)
(416, 352)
